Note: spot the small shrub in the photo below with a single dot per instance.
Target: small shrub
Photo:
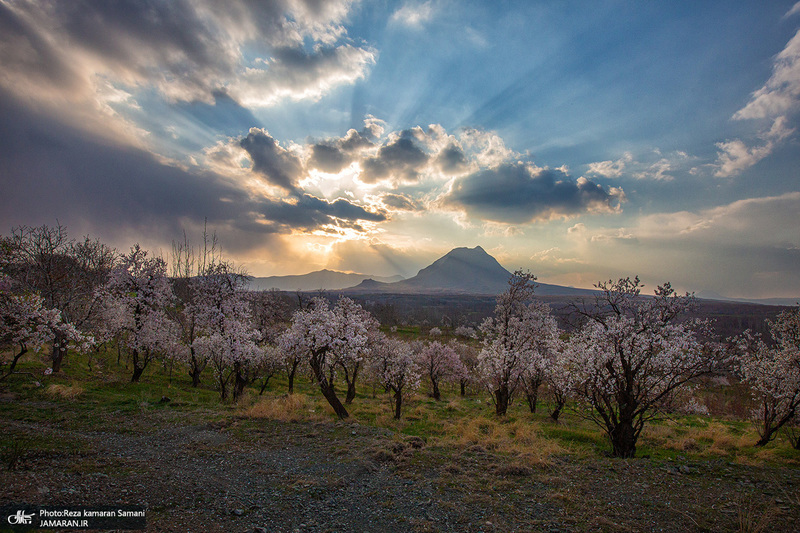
(12, 453)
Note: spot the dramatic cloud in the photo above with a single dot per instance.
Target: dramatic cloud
(746, 248)
(297, 75)
(518, 193)
(279, 166)
(794, 11)
(309, 213)
(112, 191)
(332, 155)
(185, 49)
(401, 159)
(452, 160)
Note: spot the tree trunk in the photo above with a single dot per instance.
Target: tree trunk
(437, 395)
(501, 399)
(239, 383)
(59, 349)
(398, 403)
(22, 351)
(333, 400)
(533, 398)
(264, 385)
(291, 374)
(557, 411)
(327, 390)
(769, 427)
(223, 387)
(463, 388)
(351, 386)
(195, 370)
(623, 440)
(351, 393)
(137, 370)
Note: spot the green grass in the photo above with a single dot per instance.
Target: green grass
(93, 396)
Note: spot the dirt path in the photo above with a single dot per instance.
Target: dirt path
(196, 474)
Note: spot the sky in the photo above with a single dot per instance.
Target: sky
(582, 140)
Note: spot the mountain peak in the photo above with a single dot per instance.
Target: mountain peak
(463, 250)
(462, 271)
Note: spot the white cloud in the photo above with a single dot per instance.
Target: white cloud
(794, 11)
(769, 220)
(302, 77)
(413, 14)
(649, 166)
(611, 169)
(781, 93)
(554, 256)
(735, 156)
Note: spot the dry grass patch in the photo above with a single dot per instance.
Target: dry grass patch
(67, 392)
(713, 439)
(289, 408)
(519, 439)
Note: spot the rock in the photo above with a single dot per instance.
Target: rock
(238, 512)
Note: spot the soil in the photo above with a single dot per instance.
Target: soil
(195, 471)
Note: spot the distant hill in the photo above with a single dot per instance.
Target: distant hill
(320, 279)
(709, 295)
(464, 271)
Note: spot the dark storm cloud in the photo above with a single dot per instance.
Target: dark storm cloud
(452, 160)
(517, 193)
(170, 44)
(332, 155)
(23, 49)
(279, 166)
(327, 158)
(355, 141)
(310, 212)
(52, 171)
(401, 158)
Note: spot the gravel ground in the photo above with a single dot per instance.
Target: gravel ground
(240, 475)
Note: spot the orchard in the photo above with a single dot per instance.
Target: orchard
(625, 362)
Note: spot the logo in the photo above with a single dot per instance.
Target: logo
(20, 519)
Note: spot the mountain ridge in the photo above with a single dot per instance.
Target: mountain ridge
(461, 271)
(319, 279)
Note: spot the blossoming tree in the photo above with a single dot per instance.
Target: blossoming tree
(25, 323)
(393, 367)
(63, 272)
(773, 372)
(513, 339)
(322, 336)
(440, 362)
(350, 356)
(135, 299)
(227, 336)
(630, 353)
